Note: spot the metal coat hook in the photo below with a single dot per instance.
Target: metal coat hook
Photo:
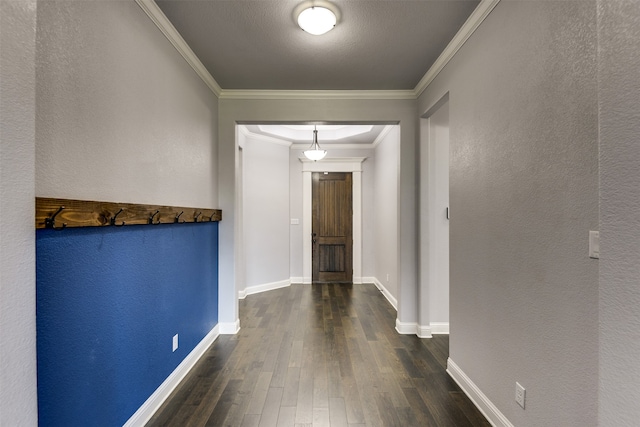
(195, 217)
(211, 217)
(51, 222)
(177, 218)
(112, 221)
(152, 216)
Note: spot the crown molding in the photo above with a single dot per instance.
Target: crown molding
(468, 28)
(328, 147)
(242, 129)
(382, 135)
(374, 144)
(332, 164)
(259, 137)
(316, 94)
(166, 27)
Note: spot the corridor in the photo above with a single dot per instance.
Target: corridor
(321, 355)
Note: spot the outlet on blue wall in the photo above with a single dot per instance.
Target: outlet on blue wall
(109, 301)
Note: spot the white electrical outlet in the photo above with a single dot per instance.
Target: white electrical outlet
(175, 342)
(387, 277)
(520, 395)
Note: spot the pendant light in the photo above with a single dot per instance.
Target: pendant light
(314, 152)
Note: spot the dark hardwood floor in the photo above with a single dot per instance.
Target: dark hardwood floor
(320, 355)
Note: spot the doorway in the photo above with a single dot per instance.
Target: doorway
(434, 220)
(332, 225)
(353, 166)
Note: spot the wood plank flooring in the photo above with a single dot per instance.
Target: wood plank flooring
(320, 355)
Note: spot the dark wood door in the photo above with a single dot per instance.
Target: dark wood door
(332, 225)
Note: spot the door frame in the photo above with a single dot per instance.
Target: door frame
(343, 164)
(430, 246)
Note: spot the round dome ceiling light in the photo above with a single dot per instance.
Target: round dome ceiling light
(317, 18)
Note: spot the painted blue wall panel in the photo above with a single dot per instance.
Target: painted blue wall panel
(109, 301)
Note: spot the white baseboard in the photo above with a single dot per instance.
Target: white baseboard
(482, 402)
(406, 328)
(423, 331)
(392, 300)
(439, 327)
(263, 288)
(229, 328)
(297, 280)
(434, 328)
(151, 405)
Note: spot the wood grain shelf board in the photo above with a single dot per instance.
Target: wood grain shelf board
(86, 213)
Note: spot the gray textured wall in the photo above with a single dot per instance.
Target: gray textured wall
(524, 195)
(18, 406)
(386, 210)
(619, 102)
(121, 116)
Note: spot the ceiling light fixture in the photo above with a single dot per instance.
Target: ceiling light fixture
(314, 152)
(316, 17)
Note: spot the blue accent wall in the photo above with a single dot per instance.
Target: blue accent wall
(109, 301)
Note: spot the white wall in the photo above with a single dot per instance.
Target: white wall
(386, 210)
(368, 225)
(296, 212)
(18, 392)
(120, 114)
(523, 196)
(619, 105)
(265, 211)
(333, 110)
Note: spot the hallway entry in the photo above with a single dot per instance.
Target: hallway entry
(332, 222)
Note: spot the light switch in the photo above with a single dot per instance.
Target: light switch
(295, 221)
(594, 244)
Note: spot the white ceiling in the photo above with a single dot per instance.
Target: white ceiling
(376, 45)
(336, 135)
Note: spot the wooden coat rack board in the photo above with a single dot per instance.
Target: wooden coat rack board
(62, 213)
